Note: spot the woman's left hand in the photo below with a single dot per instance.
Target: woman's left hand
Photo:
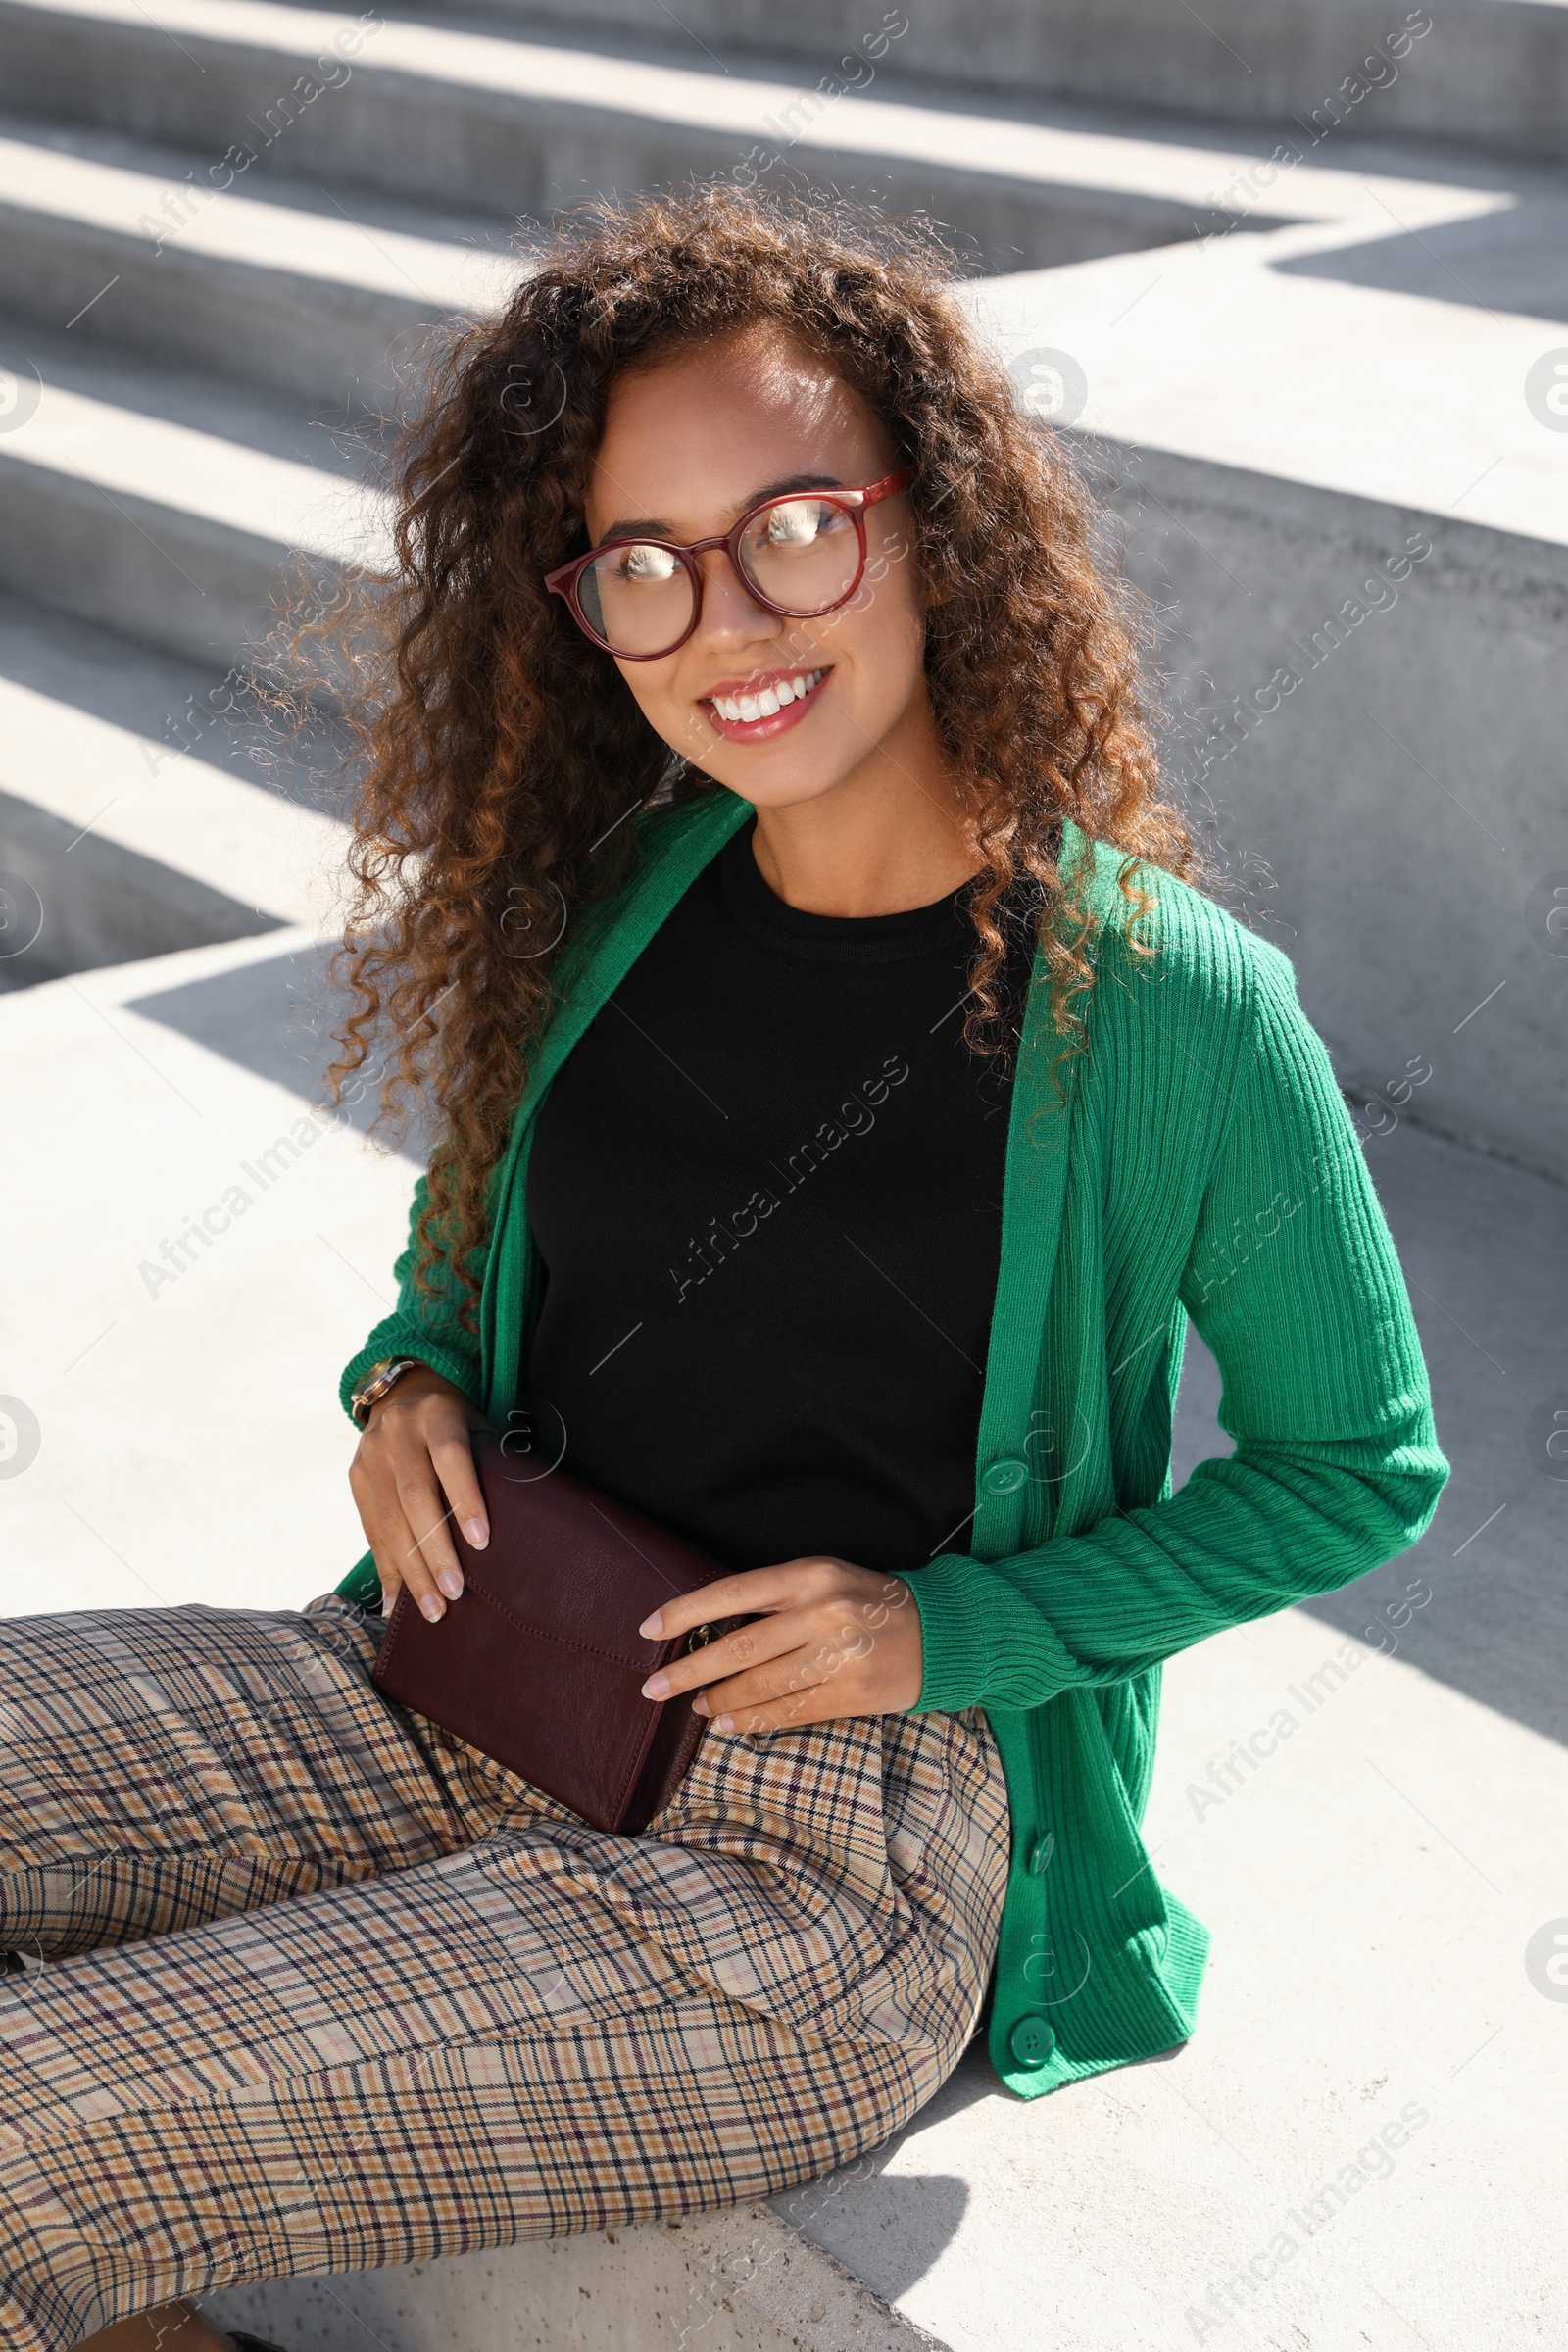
(829, 1641)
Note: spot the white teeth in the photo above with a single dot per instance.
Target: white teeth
(738, 709)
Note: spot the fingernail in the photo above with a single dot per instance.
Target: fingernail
(657, 1686)
(477, 1533)
(450, 1581)
(725, 1723)
(699, 1706)
(652, 1626)
(430, 1606)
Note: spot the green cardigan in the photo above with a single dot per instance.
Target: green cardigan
(1201, 1165)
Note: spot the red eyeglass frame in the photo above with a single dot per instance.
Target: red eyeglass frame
(563, 580)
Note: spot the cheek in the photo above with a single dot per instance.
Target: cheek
(669, 712)
(884, 631)
(890, 592)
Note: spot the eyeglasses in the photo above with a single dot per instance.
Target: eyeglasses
(799, 556)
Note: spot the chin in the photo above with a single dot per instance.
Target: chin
(791, 769)
(776, 789)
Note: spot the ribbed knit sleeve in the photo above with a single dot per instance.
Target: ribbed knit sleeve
(422, 1324)
(1292, 1278)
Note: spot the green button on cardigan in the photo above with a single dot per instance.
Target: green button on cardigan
(1201, 1164)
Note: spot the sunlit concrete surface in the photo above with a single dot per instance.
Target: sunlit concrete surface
(192, 1446)
(1359, 358)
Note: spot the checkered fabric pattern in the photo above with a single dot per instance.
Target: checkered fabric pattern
(323, 1988)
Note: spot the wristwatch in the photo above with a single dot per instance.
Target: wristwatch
(380, 1376)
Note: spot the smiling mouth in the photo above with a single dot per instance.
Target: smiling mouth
(765, 708)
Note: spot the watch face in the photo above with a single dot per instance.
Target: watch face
(383, 1376)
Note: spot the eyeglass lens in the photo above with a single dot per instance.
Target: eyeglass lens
(800, 553)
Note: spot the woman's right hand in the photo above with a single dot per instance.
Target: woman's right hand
(411, 1474)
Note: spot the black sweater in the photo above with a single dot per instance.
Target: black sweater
(766, 1187)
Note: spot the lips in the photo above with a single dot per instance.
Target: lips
(755, 708)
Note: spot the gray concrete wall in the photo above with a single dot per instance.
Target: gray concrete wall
(1492, 73)
(71, 902)
(1396, 818)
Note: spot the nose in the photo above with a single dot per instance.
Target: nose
(730, 609)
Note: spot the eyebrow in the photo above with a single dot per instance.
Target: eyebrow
(652, 527)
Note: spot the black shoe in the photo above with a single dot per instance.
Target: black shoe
(250, 2343)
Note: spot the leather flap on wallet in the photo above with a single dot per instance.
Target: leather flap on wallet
(539, 1661)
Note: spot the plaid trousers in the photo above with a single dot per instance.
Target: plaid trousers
(323, 1988)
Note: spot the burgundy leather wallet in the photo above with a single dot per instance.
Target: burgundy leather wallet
(539, 1662)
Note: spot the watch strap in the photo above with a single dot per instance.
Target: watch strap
(383, 1376)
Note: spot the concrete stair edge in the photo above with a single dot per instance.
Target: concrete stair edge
(326, 338)
(1497, 76)
(737, 2280)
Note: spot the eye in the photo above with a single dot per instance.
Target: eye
(647, 562)
(795, 524)
(800, 521)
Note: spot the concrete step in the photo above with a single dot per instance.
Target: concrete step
(293, 290)
(474, 119)
(1490, 73)
(1345, 350)
(146, 807)
(161, 504)
(740, 2280)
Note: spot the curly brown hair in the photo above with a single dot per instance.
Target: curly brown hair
(498, 748)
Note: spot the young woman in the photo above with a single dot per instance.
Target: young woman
(843, 1102)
